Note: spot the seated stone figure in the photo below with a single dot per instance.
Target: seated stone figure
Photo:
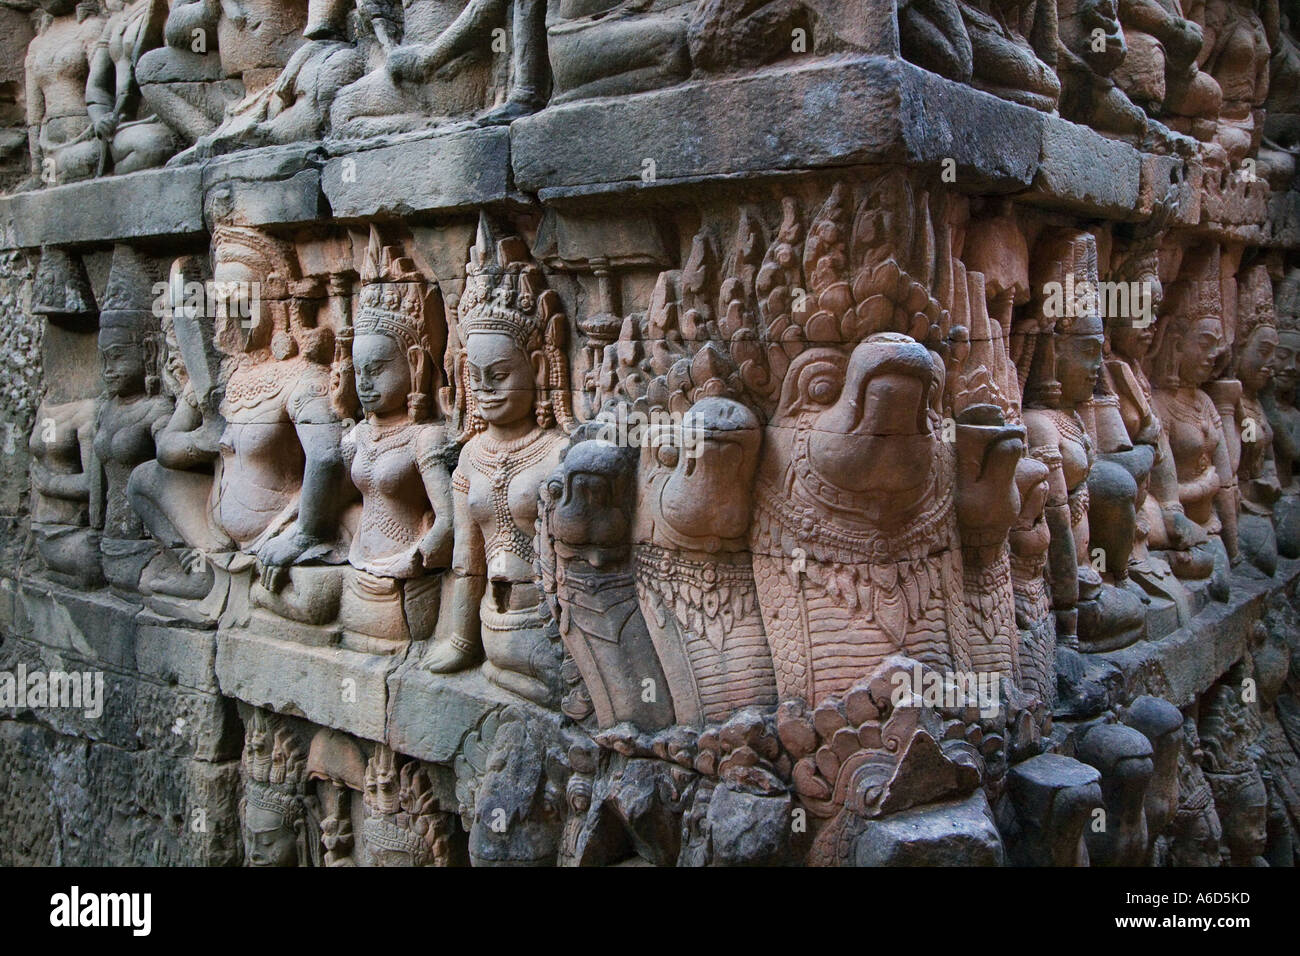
(1161, 72)
(62, 462)
(512, 384)
(1063, 378)
(616, 47)
(1189, 340)
(60, 134)
(173, 493)
(296, 107)
(1004, 47)
(1092, 47)
(131, 138)
(132, 407)
(216, 53)
(441, 67)
(282, 483)
(396, 455)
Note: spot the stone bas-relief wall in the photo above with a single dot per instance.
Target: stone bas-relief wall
(711, 433)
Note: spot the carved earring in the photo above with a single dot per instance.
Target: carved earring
(152, 380)
(545, 413)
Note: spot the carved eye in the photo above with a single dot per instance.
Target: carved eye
(822, 389)
(555, 488)
(668, 455)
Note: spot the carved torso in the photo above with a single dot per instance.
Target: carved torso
(262, 459)
(1195, 431)
(500, 480)
(385, 464)
(124, 439)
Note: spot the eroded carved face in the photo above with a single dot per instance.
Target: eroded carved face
(1132, 341)
(1245, 825)
(1286, 360)
(268, 839)
(1201, 347)
(239, 315)
(1078, 360)
(502, 377)
(122, 363)
(1255, 363)
(383, 374)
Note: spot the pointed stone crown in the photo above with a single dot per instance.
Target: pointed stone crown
(396, 300)
(506, 293)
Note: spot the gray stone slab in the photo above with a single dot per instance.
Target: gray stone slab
(274, 186)
(185, 656)
(430, 714)
(835, 112)
(448, 172)
(1084, 172)
(97, 626)
(144, 205)
(1183, 665)
(330, 686)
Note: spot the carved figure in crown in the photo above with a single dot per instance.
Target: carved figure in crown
(189, 83)
(132, 407)
(1256, 340)
(1228, 729)
(392, 361)
(128, 136)
(512, 390)
(173, 493)
(855, 561)
(279, 827)
(1066, 362)
(1189, 341)
(404, 826)
(1195, 833)
(438, 64)
(296, 107)
(1279, 402)
(62, 441)
(1161, 521)
(60, 133)
(282, 484)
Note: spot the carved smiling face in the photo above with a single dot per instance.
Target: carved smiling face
(269, 840)
(123, 363)
(383, 374)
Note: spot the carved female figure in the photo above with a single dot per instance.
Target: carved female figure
(1162, 523)
(130, 140)
(1063, 378)
(1256, 341)
(512, 383)
(1189, 342)
(278, 829)
(62, 451)
(128, 413)
(59, 131)
(396, 455)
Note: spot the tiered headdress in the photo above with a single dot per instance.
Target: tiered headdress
(397, 301)
(506, 292)
(274, 769)
(128, 307)
(1198, 294)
